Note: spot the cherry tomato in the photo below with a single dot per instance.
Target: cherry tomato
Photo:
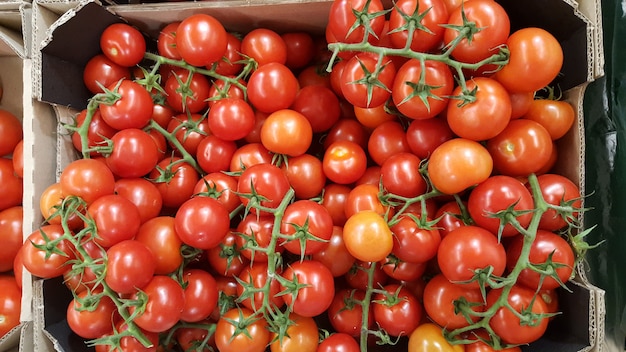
(305, 175)
(175, 180)
(11, 185)
(230, 338)
(220, 186)
(401, 175)
(558, 190)
(344, 162)
(101, 72)
(301, 336)
(338, 342)
(557, 116)
(367, 236)
(255, 230)
(231, 119)
(264, 46)
(160, 236)
(386, 140)
(272, 87)
(334, 199)
(201, 39)
(267, 184)
(195, 86)
(254, 277)
(356, 80)
(343, 16)
(37, 262)
(130, 266)
(319, 105)
(300, 49)
(229, 64)
(134, 153)
(412, 242)
(428, 337)
(439, 297)
(166, 41)
(200, 295)
(202, 222)
(346, 314)
(335, 255)
(10, 304)
(365, 197)
(87, 178)
(97, 133)
(11, 225)
(143, 193)
(116, 219)
(133, 109)
(433, 14)
(287, 132)
(226, 258)
(123, 44)
(397, 311)
(424, 136)
(318, 291)
(166, 301)
(91, 322)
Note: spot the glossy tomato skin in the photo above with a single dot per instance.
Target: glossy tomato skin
(467, 249)
(266, 180)
(536, 55)
(366, 95)
(190, 130)
(401, 175)
(458, 164)
(116, 219)
(11, 131)
(342, 17)
(428, 337)
(317, 295)
(10, 304)
(412, 243)
(365, 197)
(507, 325)
(335, 255)
(424, 136)
(248, 155)
(130, 266)
(123, 44)
(334, 199)
(36, 261)
(97, 132)
(439, 297)
(346, 315)
(308, 218)
(231, 119)
(11, 185)
(160, 236)
(557, 116)
(436, 74)
(166, 41)
(229, 339)
(166, 301)
(387, 139)
(367, 236)
(134, 153)
(344, 162)
(132, 110)
(201, 295)
(547, 245)
(422, 40)
(229, 64)
(301, 49)
(255, 276)
(220, 186)
(202, 222)
(226, 259)
(201, 39)
(264, 46)
(257, 228)
(272, 87)
(88, 179)
(11, 225)
(199, 88)
(399, 315)
(101, 71)
(339, 342)
(305, 175)
(130, 343)
(557, 189)
(143, 193)
(319, 105)
(91, 324)
(288, 132)
(302, 336)
(499, 193)
(181, 183)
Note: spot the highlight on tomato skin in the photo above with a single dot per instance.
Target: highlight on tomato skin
(256, 199)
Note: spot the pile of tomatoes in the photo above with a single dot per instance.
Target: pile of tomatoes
(388, 183)
(11, 218)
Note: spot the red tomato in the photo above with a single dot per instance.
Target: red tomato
(87, 178)
(536, 55)
(507, 325)
(522, 148)
(97, 132)
(200, 295)
(11, 131)
(558, 190)
(189, 130)
(37, 262)
(400, 270)
(11, 225)
(413, 242)
(358, 77)
(254, 277)
(386, 140)
(255, 230)
(334, 198)
(547, 245)
(310, 225)
(397, 310)
(314, 75)
(346, 313)
(175, 180)
(229, 336)
(130, 266)
(220, 186)
(10, 304)
(358, 278)
(100, 72)
(17, 158)
(347, 129)
(439, 297)
(401, 175)
(187, 92)
(335, 255)
(166, 300)
(91, 321)
(160, 236)
(300, 49)
(467, 249)
(301, 336)
(458, 164)
(318, 291)
(486, 116)
(424, 136)
(123, 44)
(494, 25)
(143, 193)
(319, 105)
(272, 87)
(229, 65)
(366, 197)
(226, 258)
(248, 155)
(221, 88)
(344, 14)
(202, 222)
(116, 219)
(133, 109)
(499, 193)
(337, 342)
(287, 132)
(557, 116)
(407, 95)
(305, 175)
(520, 103)
(201, 39)
(264, 46)
(428, 34)
(134, 153)
(262, 184)
(166, 41)
(11, 185)
(344, 162)
(231, 119)
(374, 116)
(367, 236)
(129, 343)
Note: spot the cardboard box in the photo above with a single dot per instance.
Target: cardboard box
(65, 37)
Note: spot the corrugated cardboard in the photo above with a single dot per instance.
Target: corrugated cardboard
(65, 37)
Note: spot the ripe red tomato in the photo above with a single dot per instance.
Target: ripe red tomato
(347, 129)
(344, 162)
(467, 249)
(166, 41)
(226, 259)
(536, 55)
(365, 197)
(220, 186)
(87, 178)
(97, 132)
(116, 219)
(356, 80)
(201, 39)
(231, 119)
(272, 87)
(424, 136)
(301, 336)
(300, 49)
(202, 222)
(189, 130)
(397, 310)
(486, 116)
(160, 236)
(100, 72)
(143, 193)
(319, 105)
(305, 175)
(166, 300)
(458, 164)
(407, 94)
(129, 343)
(401, 175)
(264, 46)
(334, 199)
(37, 262)
(262, 184)
(287, 132)
(433, 14)
(229, 65)
(343, 16)
(439, 297)
(255, 229)
(133, 109)
(319, 288)
(558, 190)
(175, 180)
(10, 304)
(254, 277)
(557, 116)
(11, 186)
(338, 342)
(357, 277)
(91, 322)
(123, 44)
(522, 148)
(17, 158)
(547, 245)
(201, 295)
(386, 140)
(374, 116)
(309, 223)
(130, 266)
(335, 255)
(346, 314)
(248, 155)
(134, 153)
(11, 225)
(229, 336)
(367, 236)
(196, 88)
(412, 243)
(499, 193)
(507, 325)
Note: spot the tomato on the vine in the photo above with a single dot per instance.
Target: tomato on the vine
(366, 83)
(309, 223)
(37, 261)
(10, 304)
(202, 222)
(440, 295)
(201, 39)
(318, 291)
(264, 46)
(287, 132)
(91, 322)
(397, 310)
(230, 335)
(433, 14)
(132, 108)
(272, 87)
(11, 225)
(123, 44)
(165, 304)
(367, 236)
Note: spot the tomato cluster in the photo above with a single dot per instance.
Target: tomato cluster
(233, 195)
(11, 219)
